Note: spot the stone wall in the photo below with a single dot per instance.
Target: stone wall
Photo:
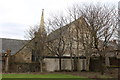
(49, 65)
(24, 67)
(23, 55)
(82, 64)
(52, 64)
(66, 64)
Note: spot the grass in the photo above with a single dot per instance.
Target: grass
(39, 76)
(45, 76)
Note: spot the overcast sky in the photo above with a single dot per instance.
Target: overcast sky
(16, 16)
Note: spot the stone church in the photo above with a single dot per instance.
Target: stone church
(26, 55)
(43, 47)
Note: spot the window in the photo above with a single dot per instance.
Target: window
(34, 56)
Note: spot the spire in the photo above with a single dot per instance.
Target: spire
(42, 26)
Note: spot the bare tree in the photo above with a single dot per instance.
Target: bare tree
(70, 47)
(56, 39)
(100, 20)
(82, 35)
(30, 33)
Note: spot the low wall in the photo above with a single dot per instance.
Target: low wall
(53, 64)
(24, 67)
(50, 64)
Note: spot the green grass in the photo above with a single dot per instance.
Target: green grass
(43, 76)
(39, 76)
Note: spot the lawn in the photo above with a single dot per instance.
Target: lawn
(43, 76)
(39, 76)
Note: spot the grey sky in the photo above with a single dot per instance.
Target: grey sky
(18, 15)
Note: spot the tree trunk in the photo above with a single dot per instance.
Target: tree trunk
(107, 61)
(71, 59)
(88, 63)
(41, 66)
(60, 66)
(101, 64)
(7, 64)
(75, 63)
(71, 64)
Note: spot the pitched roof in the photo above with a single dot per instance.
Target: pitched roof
(55, 34)
(13, 44)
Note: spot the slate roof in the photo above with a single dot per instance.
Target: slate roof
(13, 44)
